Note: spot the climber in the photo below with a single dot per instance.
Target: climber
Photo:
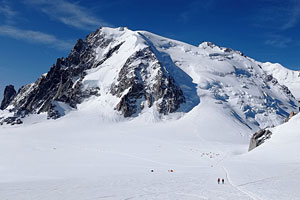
(222, 180)
(218, 180)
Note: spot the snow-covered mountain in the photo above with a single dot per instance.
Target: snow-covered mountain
(134, 73)
(272, 170)
(139, 116)
(284, 76)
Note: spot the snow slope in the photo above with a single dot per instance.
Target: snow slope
(136, 73)
(273, 169)
(228, 77)
(234, 82)
(80, 156)
(285, 76)
(93, 152)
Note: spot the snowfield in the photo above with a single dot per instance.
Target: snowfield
(93, 152)
(285, 76)
(83, 156)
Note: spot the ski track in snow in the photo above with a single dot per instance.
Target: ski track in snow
(252, 196)
(93, 153)
(116, 165)
(165, 189)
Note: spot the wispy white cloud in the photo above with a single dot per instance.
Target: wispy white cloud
(7, 11)
(293, 16)
(279, 15)
(71, 14)
(35, 37)
(279, 41)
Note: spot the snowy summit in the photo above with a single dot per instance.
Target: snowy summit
(137, 74)
(130, 114)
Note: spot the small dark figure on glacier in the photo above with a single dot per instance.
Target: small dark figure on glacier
(223, 181)
(218, 180)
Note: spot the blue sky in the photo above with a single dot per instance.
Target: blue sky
(33, 33)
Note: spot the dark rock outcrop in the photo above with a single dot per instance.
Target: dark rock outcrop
(135, 74)
(292, 114)
(9, 94)
(11, 121)
(145, 82)
(62, 82)
(142, 81)
(259, 137)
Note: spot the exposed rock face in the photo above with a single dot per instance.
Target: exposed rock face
(292, 114)
(56, 85)
(62, 83)
(259, 137)
(11, 120)
(142, 83)
(134, 72)
(9, 94)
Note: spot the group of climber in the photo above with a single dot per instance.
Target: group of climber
(219, 180)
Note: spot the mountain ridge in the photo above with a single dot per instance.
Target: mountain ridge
(130, 72)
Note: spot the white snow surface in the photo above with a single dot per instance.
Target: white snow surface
(92, 152)
(81, 156)
(234, 82)
(285, 76)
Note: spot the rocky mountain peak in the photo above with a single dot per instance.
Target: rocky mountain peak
(9, 94)
(146, 82)
(130, 72)
(207, 44)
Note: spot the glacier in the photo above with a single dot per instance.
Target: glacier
(133, 115)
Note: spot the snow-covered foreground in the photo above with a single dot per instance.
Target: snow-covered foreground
(84, 157)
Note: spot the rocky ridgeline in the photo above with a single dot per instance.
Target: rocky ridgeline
(63, 83)
(262, 135)
(9, 94)
(131, 71)
(259, 137)
(147, 82)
